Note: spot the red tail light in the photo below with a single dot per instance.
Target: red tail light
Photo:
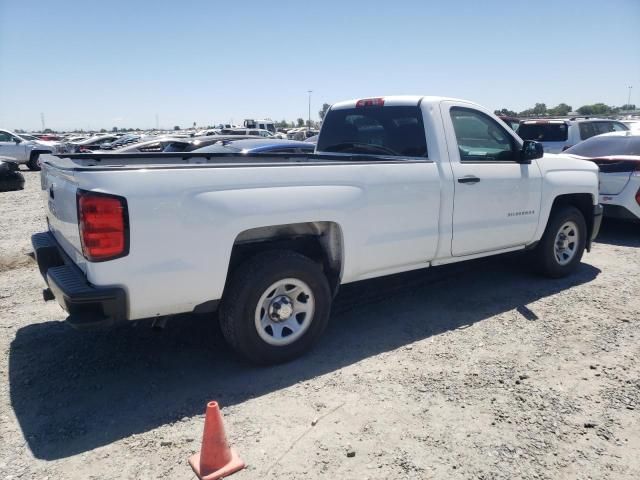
(638, 197)
(370, 102)
(104, 226)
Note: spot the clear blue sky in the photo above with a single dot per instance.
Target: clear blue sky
(89, 64)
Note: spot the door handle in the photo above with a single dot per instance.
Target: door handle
(468, 179)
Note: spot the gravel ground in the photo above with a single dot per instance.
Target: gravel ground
(473, 371)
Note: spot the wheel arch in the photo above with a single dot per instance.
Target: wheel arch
(322, 241)
(583, 202)
(37, 152)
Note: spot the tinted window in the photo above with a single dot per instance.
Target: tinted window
(154, 147)
(586, 130)
(176, 147)
(395, 131)
(603, 127)
(608, 145)
(543, 132)
(480, 137)
(5, 137)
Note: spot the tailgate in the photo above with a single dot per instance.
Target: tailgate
(59, 194)
(614, 175)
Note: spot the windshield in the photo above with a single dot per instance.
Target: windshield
(395, 131)
(606, 146)
(543, 132)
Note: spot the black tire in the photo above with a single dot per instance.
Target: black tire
(244, 290)
(32, 164)
(544, 256)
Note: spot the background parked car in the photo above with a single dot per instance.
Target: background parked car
(558, 135)
(10, 176)
(176, 144)
(301, 133)
(618, 156)
(24, 151)
(260, 124)
(121, 142)
(89, 144)
(258, 145)
(257, 132)
(208, 132)
(156, 144)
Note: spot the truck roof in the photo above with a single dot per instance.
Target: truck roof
(399, 100)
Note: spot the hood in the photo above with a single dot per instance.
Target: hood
(559, 161)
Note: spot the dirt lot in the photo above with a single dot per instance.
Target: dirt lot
(474, 371)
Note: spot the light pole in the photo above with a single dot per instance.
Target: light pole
(309, 123)
(629, 97)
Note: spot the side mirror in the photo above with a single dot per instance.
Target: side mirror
(17, 140)
(530, 151)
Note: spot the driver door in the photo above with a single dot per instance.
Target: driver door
(496, 199)
(9, 147)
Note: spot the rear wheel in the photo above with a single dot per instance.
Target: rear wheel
(275, 306)
(562, 245)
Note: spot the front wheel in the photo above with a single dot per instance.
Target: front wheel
(275, 306)
(33, 164)
(562, 245)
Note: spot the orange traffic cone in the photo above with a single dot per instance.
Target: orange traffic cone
(215, 460)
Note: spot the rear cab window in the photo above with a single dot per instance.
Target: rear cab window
(396, 131)
(543, 131)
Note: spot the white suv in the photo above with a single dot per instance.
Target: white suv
(556, 135)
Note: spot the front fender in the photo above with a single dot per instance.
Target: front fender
(565, 182)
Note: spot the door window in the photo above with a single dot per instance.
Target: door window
(480, 138)
(603, 127)
(587, 130)
(5, 137)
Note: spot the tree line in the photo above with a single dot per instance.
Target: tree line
(562, 110)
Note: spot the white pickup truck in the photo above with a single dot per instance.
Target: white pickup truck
(396, 184)
(24, 149)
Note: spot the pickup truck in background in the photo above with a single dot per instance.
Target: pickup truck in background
(22, 150)
(395, 184)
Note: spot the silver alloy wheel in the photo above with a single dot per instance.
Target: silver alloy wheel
(284, 312)
(566, 244)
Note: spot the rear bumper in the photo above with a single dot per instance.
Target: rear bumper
(89, 307)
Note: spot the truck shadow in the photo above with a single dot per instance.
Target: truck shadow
(74, 391)
(617, 232)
